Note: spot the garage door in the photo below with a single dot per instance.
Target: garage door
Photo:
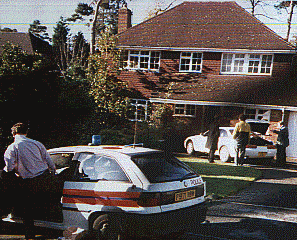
(292, 125)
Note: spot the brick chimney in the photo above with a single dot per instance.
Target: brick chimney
(124, 21)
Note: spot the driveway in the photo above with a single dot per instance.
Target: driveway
(265, 210)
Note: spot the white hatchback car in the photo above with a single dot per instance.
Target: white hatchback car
(124, 191)
(258, 147)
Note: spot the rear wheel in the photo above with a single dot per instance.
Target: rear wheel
(107, 228)
(190, 147)
(225, 154)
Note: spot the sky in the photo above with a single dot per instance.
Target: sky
(19, 14)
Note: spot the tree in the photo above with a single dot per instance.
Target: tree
(157, 9)
(109, 93)
(15, 61)
(102, 13)
(37, 29)
(60, 38)
(254, 4)
(289, 6)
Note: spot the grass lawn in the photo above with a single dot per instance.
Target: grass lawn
(222, 179)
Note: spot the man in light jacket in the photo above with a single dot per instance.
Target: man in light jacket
(241, 134)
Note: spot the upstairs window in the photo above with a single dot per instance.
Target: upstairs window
(190, 62)
(255, 64)
(144, 60)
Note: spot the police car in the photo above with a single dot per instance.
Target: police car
(124, 191)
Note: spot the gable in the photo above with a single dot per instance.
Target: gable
(204, 25)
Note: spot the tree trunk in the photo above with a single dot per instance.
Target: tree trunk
(290, 19)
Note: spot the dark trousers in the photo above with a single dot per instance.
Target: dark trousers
(211, 155)
(240, 153)
(36, 192)
(280, 155)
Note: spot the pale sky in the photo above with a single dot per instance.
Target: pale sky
(19, 14)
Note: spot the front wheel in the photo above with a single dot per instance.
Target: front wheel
(190, 148)
(225, 154)
(107, 228)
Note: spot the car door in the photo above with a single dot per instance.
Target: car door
(227, 140)
(100, 183)
(200, 142)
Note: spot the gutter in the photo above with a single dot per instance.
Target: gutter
(226, 104)
(144, 48)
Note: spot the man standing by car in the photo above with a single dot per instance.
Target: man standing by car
(213, 138)
(30, 161)
(241, 134)
(281, 143)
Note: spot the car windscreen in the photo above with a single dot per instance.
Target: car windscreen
(161, 167)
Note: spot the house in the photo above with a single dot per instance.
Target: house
(207, 58)
(27, 41)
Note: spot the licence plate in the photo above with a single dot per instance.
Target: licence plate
(185, 195)
(262, 154)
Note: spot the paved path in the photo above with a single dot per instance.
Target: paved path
(265, 210)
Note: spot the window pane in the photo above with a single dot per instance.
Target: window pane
(144, 62)
(266, 64)
(190, 110)
(191, 61)
(96, 167)
(179, 109)
(133, 62)
(62, 160)
(227, 62)
(186, 54)
(159, 167)
(155, 60)
(185, 64)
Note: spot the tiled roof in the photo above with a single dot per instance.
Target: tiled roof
(28, 42)
(207, 25)
(277, 91)
(21, 39)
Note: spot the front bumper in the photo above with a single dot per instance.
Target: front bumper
(185, 219)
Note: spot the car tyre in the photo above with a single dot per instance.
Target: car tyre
(107, 228)
(225, 154)
(190, 147)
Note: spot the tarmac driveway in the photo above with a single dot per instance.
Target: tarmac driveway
(265, 210)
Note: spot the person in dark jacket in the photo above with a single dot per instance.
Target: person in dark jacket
(213, 138)
(241, 134)
(281, 144)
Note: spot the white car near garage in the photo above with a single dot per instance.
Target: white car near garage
(258, 147)
(122, 191)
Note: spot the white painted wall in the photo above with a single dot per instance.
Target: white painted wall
(292, 125)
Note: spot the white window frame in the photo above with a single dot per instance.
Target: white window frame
(144, 60)
(260, 114)
(140, 105)
(189, 56)
(185, 110)
(247, 64)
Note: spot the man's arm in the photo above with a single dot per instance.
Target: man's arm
(47, 158)
(10, 159)
(234, 135)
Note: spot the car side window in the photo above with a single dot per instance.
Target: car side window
(223, 133)
(62, 160)
(95, 167)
